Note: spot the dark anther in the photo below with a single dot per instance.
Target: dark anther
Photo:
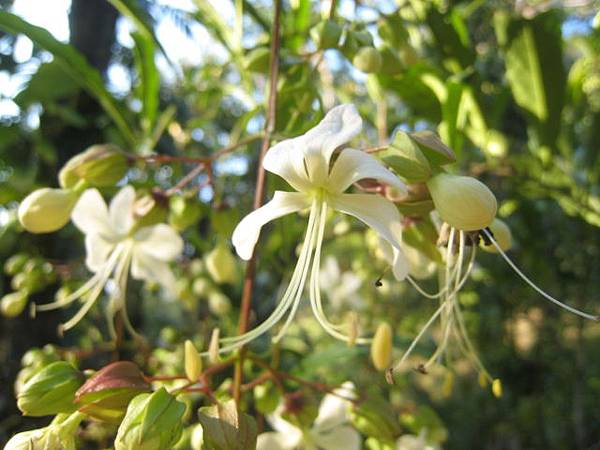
(378, 282)
(421, 369)
(485, 237)
(389, 376)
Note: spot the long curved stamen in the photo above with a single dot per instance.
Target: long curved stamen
(315, 293)
(305, 268)
(416, 340)
(296, 284)
(82, 290)
(535, 287)
(95, 293)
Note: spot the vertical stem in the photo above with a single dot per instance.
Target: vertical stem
(259, 193)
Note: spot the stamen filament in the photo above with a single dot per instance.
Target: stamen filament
(535, 287)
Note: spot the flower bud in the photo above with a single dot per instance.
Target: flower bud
(497, 388)
(13, 304)
(375, 417)
(367, 60)
(326, 34)
(60, 434)
(183, 212)
(152, 422)
(463, 202)
(193, 362)
(381, 346)
(99, 165)
(502, 236)
(213, 346)
(106, 394)
(50, 391)
(218, 303)
(221, 264)
(15, 263)
(46, 210)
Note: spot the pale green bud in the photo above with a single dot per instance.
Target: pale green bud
(193, 362)
(218, 303)
(326, 34)
(367, 60)
(463, 202)
(15, 263)
(46, 210)
(152, 422)
(50, 391)
(13, 304)
(221, 264)
(381, 347)
(99, 165)
(59, 435)
(502, 236)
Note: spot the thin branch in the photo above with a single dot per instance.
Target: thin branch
(259, 193)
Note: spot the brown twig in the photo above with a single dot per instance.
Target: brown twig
(259, 193)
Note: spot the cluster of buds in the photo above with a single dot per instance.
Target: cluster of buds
(29, 275)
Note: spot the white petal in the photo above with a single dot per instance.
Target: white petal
(90, 214)
(145, 267)
(353, 165)
(338, 126)
(286, 159)
(334, 409)
(97, 251)
(381, 215)
(121, 210)
(247, 231)
(340, 438)
(277, 441)
(159, 241)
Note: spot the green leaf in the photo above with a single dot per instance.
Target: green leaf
(74, 64)
(533, 57)
(149, 84)
(226, 429)
(404, 156)
(46, 85)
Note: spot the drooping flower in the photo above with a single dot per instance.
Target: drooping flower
(304, 162)
(467, 208)
(114, 246)
(330, 430)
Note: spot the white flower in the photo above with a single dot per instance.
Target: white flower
(330, 430)
(304, 162)
(341, 287)
(114, 245)
(412, 442)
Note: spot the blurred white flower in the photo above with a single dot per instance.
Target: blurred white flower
(330, 430)
(304, 162)
(341, 287)
(412, 442)
(114, 245)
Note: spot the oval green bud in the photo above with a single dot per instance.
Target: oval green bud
(463, 202)
(15, 263)
(184, 212)
(218, 303)
(46, 210)
(221, 264)
(502, 236)
(50, 391)
(367, 60)
(99, 165)
(326, 34)
(152, 422)
(193, 362)
(13, 304)
(381, 347)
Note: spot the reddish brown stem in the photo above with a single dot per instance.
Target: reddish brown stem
(259, 193)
